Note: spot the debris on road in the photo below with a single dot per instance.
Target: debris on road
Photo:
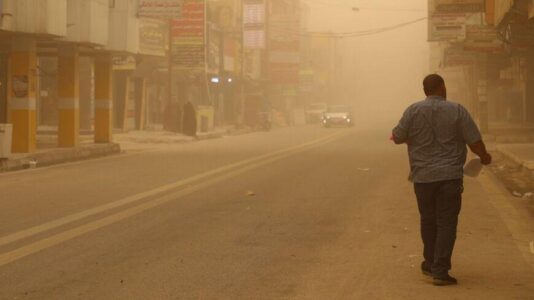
(517, 194)
(364, 169)
(32, 164)
(251, 194)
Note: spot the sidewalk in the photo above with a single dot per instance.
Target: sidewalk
(521, 156)
(49, 154)
(514, 166)
(147, 139)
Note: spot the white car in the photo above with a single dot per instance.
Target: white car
(338, 115)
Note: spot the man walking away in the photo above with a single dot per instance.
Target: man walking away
(437, 132)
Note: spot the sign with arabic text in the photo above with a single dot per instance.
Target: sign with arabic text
(189, 36)
(160, 9)
(153, 37)
(447, 27)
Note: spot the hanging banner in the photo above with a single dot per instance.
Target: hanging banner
(460, 6)
(160, 9)
(483, 39)
(284, 43)
(189, 37)
(449, 27)
(254, 24)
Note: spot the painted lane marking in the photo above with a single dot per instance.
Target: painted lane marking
(134, 198)
(69, 234)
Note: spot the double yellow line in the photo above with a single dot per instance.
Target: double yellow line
(165, 194)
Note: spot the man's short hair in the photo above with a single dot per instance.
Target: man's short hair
(432, 84)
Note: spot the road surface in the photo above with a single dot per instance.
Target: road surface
(297, 213)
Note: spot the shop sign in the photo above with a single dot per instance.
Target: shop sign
(124, 63)
(447, 27)
(284, 46)
(306, 80)
(456, 56)
(189, 36)
(483, 39)
(214, 51)
(254, 24)
(252, 65)
(460, 6)
(284, 74)
(229, 54)
(153, 37)
(160, 9)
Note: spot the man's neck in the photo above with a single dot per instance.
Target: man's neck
(440, 97)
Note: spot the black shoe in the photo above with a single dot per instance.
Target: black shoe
(425, 269)
(445, 280)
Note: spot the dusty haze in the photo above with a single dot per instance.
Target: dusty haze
(382, 73)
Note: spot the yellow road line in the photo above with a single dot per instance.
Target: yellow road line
(227, 172)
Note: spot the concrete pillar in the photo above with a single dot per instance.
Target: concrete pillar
(140, 103)
(103, 99)
(22, 94)
(68, 96)
(121, 99)
(87, 93)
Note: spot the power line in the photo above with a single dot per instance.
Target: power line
(360, 33)
(356, 7)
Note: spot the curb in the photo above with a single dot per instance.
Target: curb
(59, 156)
(65, 155)
(527, 167)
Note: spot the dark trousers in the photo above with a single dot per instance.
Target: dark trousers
(439, 206)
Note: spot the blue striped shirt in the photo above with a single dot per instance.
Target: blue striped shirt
(437, 132)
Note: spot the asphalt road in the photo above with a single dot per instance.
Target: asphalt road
(298, 213)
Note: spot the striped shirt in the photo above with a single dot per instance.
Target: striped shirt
(437, 132)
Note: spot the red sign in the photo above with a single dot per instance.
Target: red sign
(189, 36)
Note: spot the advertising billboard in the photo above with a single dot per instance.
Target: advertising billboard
(189, 36)
(254, 24)
(153, 37)
(449, 27)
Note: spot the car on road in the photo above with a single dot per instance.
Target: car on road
(314, 113)
(338, 115)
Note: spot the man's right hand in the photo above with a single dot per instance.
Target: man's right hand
(479, 148)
